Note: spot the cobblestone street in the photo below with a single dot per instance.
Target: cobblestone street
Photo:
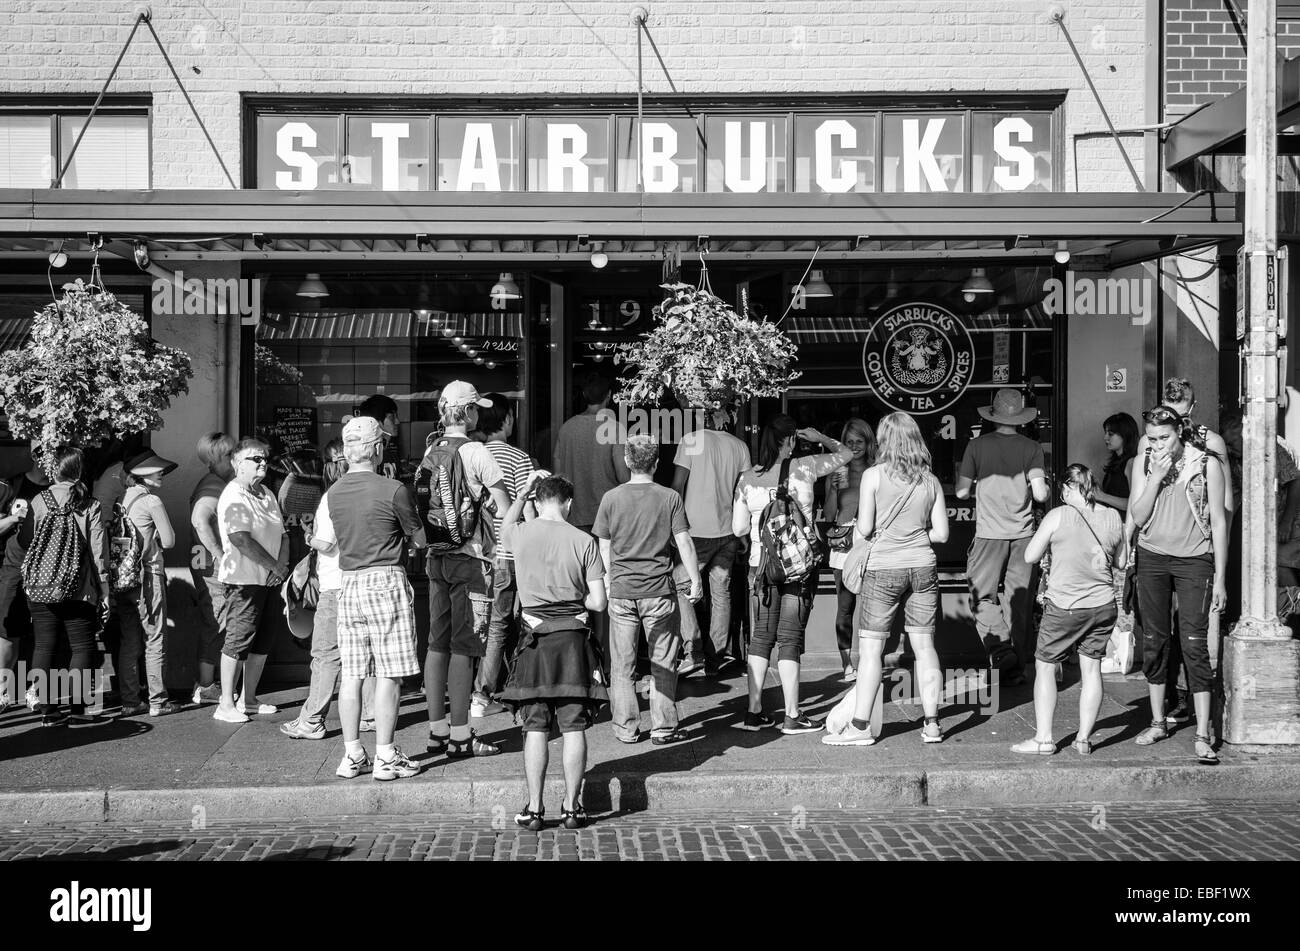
(1180, 831)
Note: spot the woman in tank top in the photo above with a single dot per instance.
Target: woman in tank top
(1087, 544)
(1121, 441)
(902, 509)
(842, 509)
(1182, 546)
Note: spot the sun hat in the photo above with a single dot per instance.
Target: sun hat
(460, 393)
(148, 463)
(1008, 409)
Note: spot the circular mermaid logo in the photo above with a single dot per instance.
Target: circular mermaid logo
(918, 358)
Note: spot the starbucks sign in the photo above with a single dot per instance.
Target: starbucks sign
(918, 358)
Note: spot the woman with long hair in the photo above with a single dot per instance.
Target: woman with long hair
(841, 508)
(1182, 546)
(1121, 434)
(213, 450)
(1087, 545)
(901, 507)
(69, 624)
(779, 614)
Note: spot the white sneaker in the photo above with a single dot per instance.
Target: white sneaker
(398, 766)
(229, 715)
(851, 736)
(208, 694)
(265, 708)
(850, 675)
(352, 768)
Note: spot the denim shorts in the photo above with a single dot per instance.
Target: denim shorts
(1063, 629)
(883, 590)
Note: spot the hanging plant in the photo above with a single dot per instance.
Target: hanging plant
(706, 354)
(90, 373)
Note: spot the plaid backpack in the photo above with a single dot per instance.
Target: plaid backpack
(788, 553)
(52, 566)
(442, 489)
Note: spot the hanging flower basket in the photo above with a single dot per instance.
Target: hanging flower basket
(706, 354)
(90, 373)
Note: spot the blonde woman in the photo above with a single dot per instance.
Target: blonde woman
(841, 508)
(902, 508)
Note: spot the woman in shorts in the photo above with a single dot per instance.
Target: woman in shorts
(1086, 539)
(901, 508)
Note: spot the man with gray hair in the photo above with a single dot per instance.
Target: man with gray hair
(637, 523)
(371, 517)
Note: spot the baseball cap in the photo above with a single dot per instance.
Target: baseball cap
(363, 430)
(460, 393)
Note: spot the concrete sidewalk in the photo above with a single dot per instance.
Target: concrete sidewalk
(191, 769)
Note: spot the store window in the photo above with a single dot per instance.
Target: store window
(390, 153)
(568, 155)
(1011, 152)
(670, 150)
(400, 336)
(479, 153)
(746, 153)
(302, 152)
(923, 153)
(835, 153)
(114, 152)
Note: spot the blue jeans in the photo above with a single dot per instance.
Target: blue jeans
(884, 590)
(715, 557)
(325, 665)
(142, 612)
(627, 616)
(502, 623)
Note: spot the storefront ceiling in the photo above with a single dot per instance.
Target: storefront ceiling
(252, 225)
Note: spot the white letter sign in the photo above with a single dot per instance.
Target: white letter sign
(1023, 159)
(286, 139)
(478, 160)
(827, 133)
(389, 133)
(659, 173)
(757, 177)
(566, 144)
(918, 155)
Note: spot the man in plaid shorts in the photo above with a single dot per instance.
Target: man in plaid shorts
(370, 520)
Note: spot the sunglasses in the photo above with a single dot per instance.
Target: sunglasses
(256, 460)
(1162, 416)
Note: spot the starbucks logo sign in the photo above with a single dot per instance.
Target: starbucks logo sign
(918, 358)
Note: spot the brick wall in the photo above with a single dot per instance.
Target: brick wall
(579, 46)
(1205, 55)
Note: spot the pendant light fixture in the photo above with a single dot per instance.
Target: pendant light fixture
(817, 286)
(976, 285)
(506, 288)
(1062, 254)
(313, 287)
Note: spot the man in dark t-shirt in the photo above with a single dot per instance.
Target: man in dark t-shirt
(637, 522)
(370, 519)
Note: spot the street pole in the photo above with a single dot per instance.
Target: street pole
(1261, 662)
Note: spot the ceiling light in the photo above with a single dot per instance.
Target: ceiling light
(313, 287)
(817, 286)
(471, 353)
(478, 360)
(58, 258)
(141, 255)
(447, 331)
(458, 340)
(506, 288)
(491, 365)
(1062, 254)
(598, 257)
(975, 285)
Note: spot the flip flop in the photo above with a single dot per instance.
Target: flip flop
(1034, 748)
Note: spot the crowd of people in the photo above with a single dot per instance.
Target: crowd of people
(544, 588)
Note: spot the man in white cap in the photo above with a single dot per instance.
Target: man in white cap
(1007, 470)
(460, 572)
(371, 518)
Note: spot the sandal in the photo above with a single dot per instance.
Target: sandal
(532, 821)
(1205, 754)
(1156, 732)
(1034, 748)
(1083, 747)
(931, 737)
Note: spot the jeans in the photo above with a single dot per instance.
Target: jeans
(75, 623)
(715, 557)
(143, 615)
(503, 627)
(846, 607)
(1158, 577)
(991, 562)
(627, 616)
(325, 665)
(781, 621)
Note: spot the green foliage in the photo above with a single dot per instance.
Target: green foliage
(706, 354)
(89, 373)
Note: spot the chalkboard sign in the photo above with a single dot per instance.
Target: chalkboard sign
(295, 427)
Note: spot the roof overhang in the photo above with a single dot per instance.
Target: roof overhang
(251, 224)
(1221, 125)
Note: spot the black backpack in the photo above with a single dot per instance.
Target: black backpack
(442, 492)
(53, 563)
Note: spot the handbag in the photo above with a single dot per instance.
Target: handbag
(840, 537)
(855, 565)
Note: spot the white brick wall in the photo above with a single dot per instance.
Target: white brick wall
(462, 47)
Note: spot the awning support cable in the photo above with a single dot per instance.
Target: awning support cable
(146, 18)
(1059, 19)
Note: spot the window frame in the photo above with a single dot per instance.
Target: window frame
(55, 107)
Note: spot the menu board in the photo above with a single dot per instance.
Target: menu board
(295, 427)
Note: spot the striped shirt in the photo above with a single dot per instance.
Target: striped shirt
(516, 465)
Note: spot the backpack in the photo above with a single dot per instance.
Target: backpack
(52, 566)
(788, 553)
(442, 492)
(126, 551)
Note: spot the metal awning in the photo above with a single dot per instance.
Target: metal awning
(1221, 125)
(253, 224)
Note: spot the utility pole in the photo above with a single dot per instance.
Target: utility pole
(1261, 663)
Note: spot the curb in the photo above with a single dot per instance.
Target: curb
(951, 787)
